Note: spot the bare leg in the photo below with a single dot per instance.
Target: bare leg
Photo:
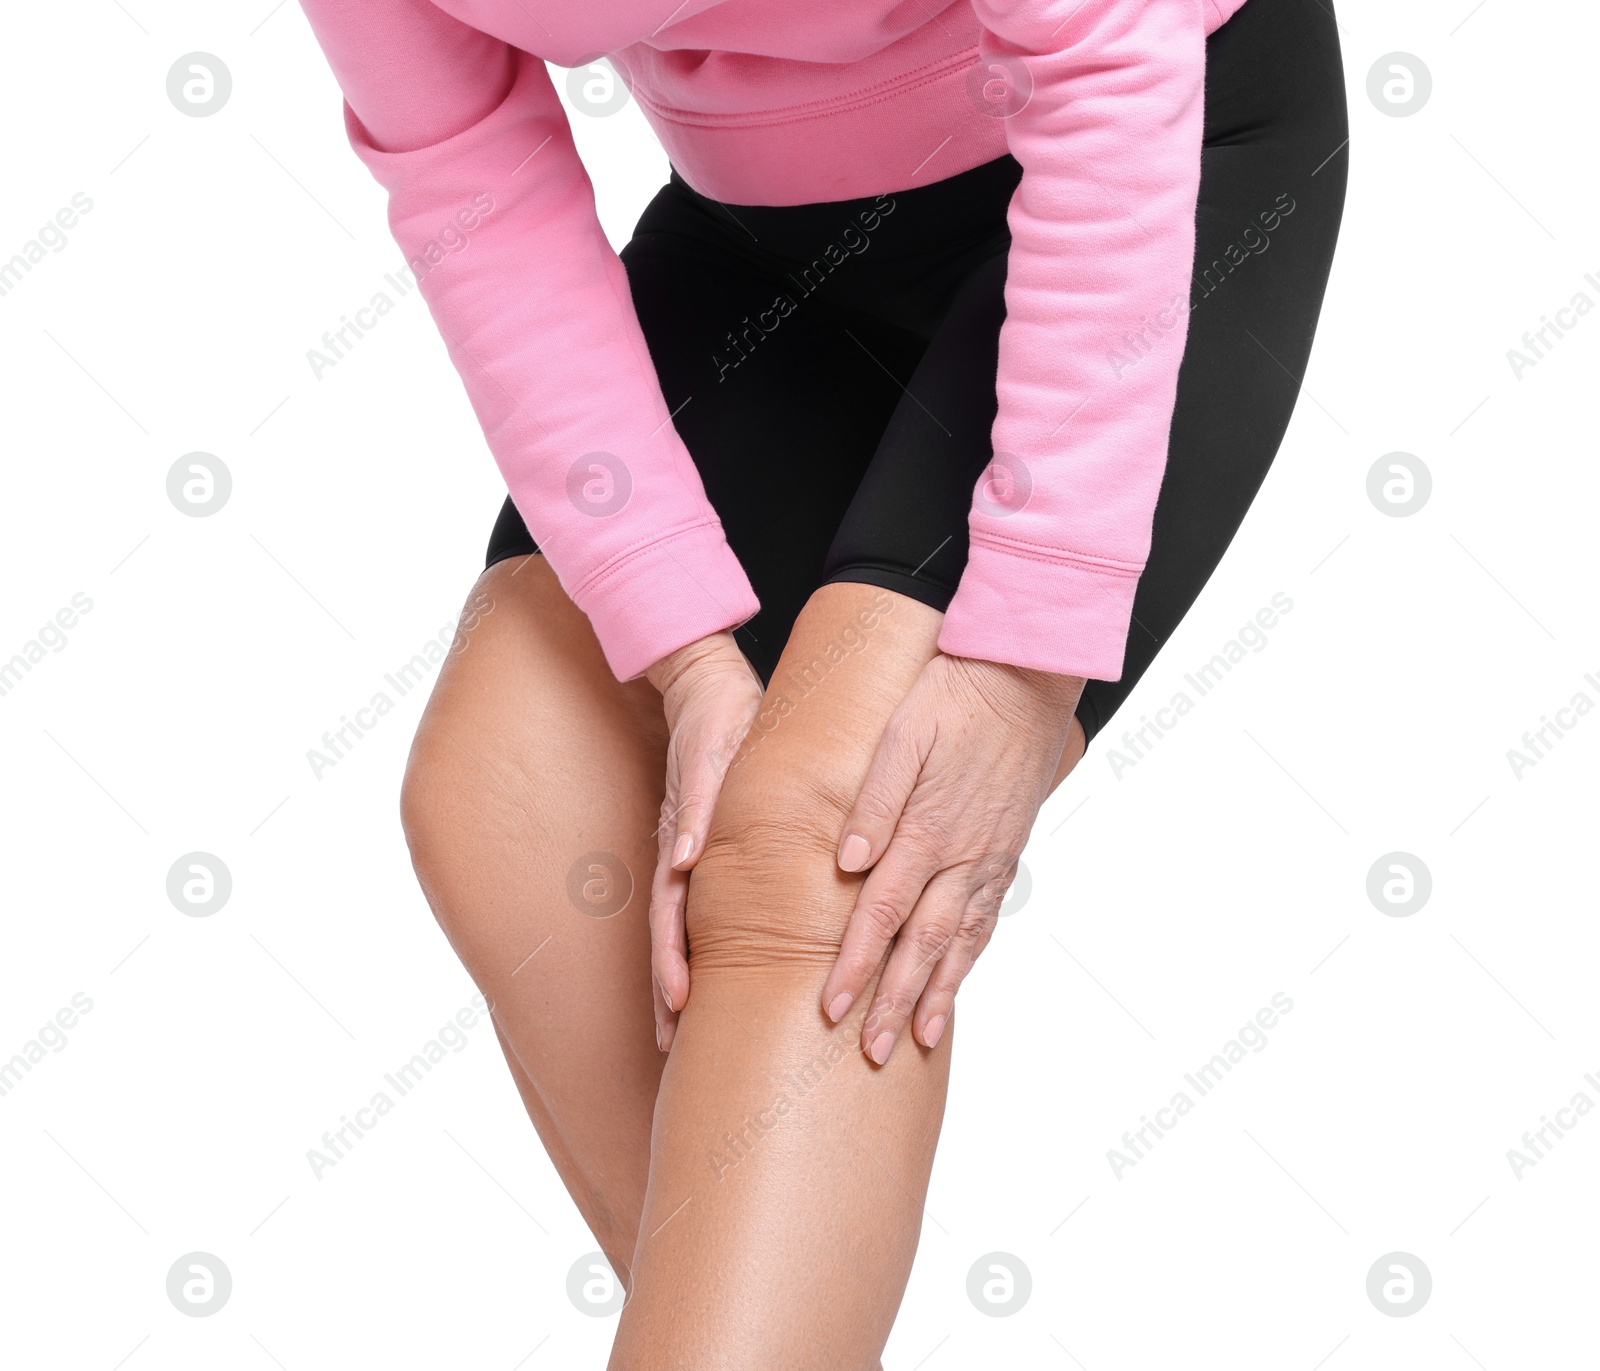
(787, 1171)
(529, 758)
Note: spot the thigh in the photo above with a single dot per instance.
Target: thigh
(530, 802)
(1272, 189)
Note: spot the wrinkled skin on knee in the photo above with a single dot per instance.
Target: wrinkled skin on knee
(768, 890)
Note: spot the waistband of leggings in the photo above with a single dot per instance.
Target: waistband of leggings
(965, 206)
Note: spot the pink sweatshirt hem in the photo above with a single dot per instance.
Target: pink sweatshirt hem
(696, 587)
(1085, 606)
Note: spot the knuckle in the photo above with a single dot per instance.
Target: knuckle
(881, 918)
(929, 940)
(972, 924)
(874, 806)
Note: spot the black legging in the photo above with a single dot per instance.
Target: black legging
(831, 366)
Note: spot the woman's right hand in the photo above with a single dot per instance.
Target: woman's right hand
(710, 694)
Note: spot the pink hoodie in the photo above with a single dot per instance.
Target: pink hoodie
(775, 103)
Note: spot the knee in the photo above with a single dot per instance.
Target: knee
(768, 889)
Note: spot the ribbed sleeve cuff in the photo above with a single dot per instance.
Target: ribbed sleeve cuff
(664, 595)
(1044, 613)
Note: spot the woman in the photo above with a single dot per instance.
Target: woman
(863, 487)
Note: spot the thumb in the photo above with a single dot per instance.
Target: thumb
(703, 766)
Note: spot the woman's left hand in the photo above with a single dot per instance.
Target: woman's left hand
(944, 813)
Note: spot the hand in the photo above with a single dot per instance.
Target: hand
(944, 813)
(710, 694)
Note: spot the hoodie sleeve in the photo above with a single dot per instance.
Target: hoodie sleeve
(1103, 103)
(493, 209)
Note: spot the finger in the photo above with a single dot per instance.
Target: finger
(883, 904)
(896, 764)
(702, 779)
(937, 1002)
(668, 947)
(928, 936)
(666, 1017)
(703, 770)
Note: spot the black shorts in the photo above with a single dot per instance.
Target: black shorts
(831, 367)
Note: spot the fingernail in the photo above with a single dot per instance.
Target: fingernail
(666, 999)
(664, 1036)
(840, 1006)
(854, 853)
(930, 1034)
(881, 1047)
(685, 846)
(660, 1046)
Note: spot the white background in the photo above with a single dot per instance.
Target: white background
(1168, 904)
